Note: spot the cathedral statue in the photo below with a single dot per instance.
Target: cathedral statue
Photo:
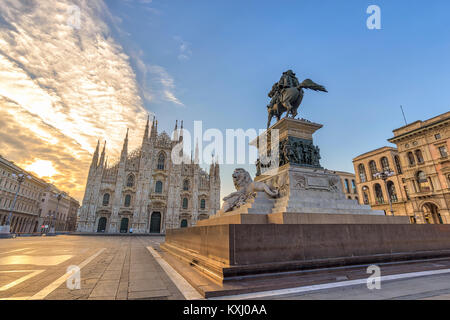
(287, 95)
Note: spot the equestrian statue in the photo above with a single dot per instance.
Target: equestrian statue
(287, 95)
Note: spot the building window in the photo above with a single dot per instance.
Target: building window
(411, 159)
(422, 181)
(392, 193)
(127, 200)
(373, 168)
(130, 181)
(437, 136)
(158, 187)
(365, 192)
(347, 186)
(106, 197)
(398, 165)
(379, 194)
(186, 185)
(385, 164)
(185, 203)
(354, 186)
(362, 173)
(202, 204)
(161, 161)
(443, 152)
(419, 156)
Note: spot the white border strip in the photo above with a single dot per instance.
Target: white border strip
(55, 284)
(186, 289)
(282, 292)
(20, 280)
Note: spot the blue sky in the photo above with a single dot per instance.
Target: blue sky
(64, 87)
(238, 49)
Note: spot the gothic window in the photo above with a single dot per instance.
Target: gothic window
(398, 165)
(362, 173)
(161, 161)
(158, 187)
(378, 194)
(127, 200)
(411, 159)
(419, 156)
(202, 204)
(392, 193)
(185, 203)
(385, 163)
(130, 181)
(347, 186)
(373, 168)
(106, 197)
(186, 185)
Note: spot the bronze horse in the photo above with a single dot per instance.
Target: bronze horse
(289, 99)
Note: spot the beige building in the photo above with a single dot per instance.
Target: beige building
(58, 215)
(348, 182)
(423, 148)
(420, 185)
(25, 213)
(375, 191)
(74, 207)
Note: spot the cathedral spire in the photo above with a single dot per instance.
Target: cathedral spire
(102, 158)
(95, 156)
(154, 132)
(145, 138)
(175, 131)
(125, 145)
(181, 131)
(196, 158)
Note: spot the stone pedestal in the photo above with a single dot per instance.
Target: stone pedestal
(304, 186)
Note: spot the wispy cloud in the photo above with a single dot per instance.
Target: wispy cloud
(156, 84)
(61, 87)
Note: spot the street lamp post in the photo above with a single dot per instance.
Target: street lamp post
(384, 175)
(20, 179)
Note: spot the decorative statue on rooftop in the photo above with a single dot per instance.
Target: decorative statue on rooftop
(287, 95)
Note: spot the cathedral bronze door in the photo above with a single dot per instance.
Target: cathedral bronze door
(184, 223)
(124, 225)
(155, 223)
(101, 224)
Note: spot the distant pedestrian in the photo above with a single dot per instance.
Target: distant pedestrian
(131, 230)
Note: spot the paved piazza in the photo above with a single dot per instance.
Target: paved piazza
(130, 267)
(115, 267)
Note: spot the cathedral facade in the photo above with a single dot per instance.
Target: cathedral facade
(145, 191)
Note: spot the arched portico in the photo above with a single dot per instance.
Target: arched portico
(431, 213)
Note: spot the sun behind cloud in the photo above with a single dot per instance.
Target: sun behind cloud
(43, 168)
